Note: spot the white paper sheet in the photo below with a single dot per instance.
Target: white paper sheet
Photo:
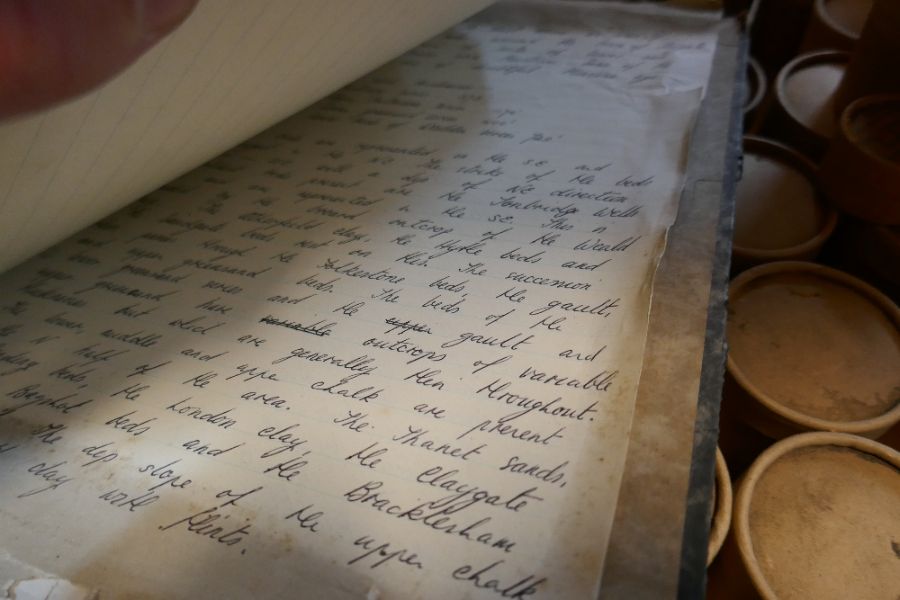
(233, 69)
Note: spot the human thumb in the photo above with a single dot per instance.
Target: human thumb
(52, 50)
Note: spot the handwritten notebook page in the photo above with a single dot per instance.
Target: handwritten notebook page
(388, 348)
(233, 69)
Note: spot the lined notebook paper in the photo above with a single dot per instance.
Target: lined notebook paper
(233, 69)
(388, 348)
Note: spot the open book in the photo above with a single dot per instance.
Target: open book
(388, 348)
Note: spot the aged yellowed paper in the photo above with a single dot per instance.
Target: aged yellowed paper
(388, 348)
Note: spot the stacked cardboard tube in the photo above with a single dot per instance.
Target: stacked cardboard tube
(810, 420)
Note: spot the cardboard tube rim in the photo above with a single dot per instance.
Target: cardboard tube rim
(768, 147)
(801, 420)
(741, 519)
(799, 62)
(723, 509)
(852, 111)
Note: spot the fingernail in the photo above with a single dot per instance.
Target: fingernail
(158, 17)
